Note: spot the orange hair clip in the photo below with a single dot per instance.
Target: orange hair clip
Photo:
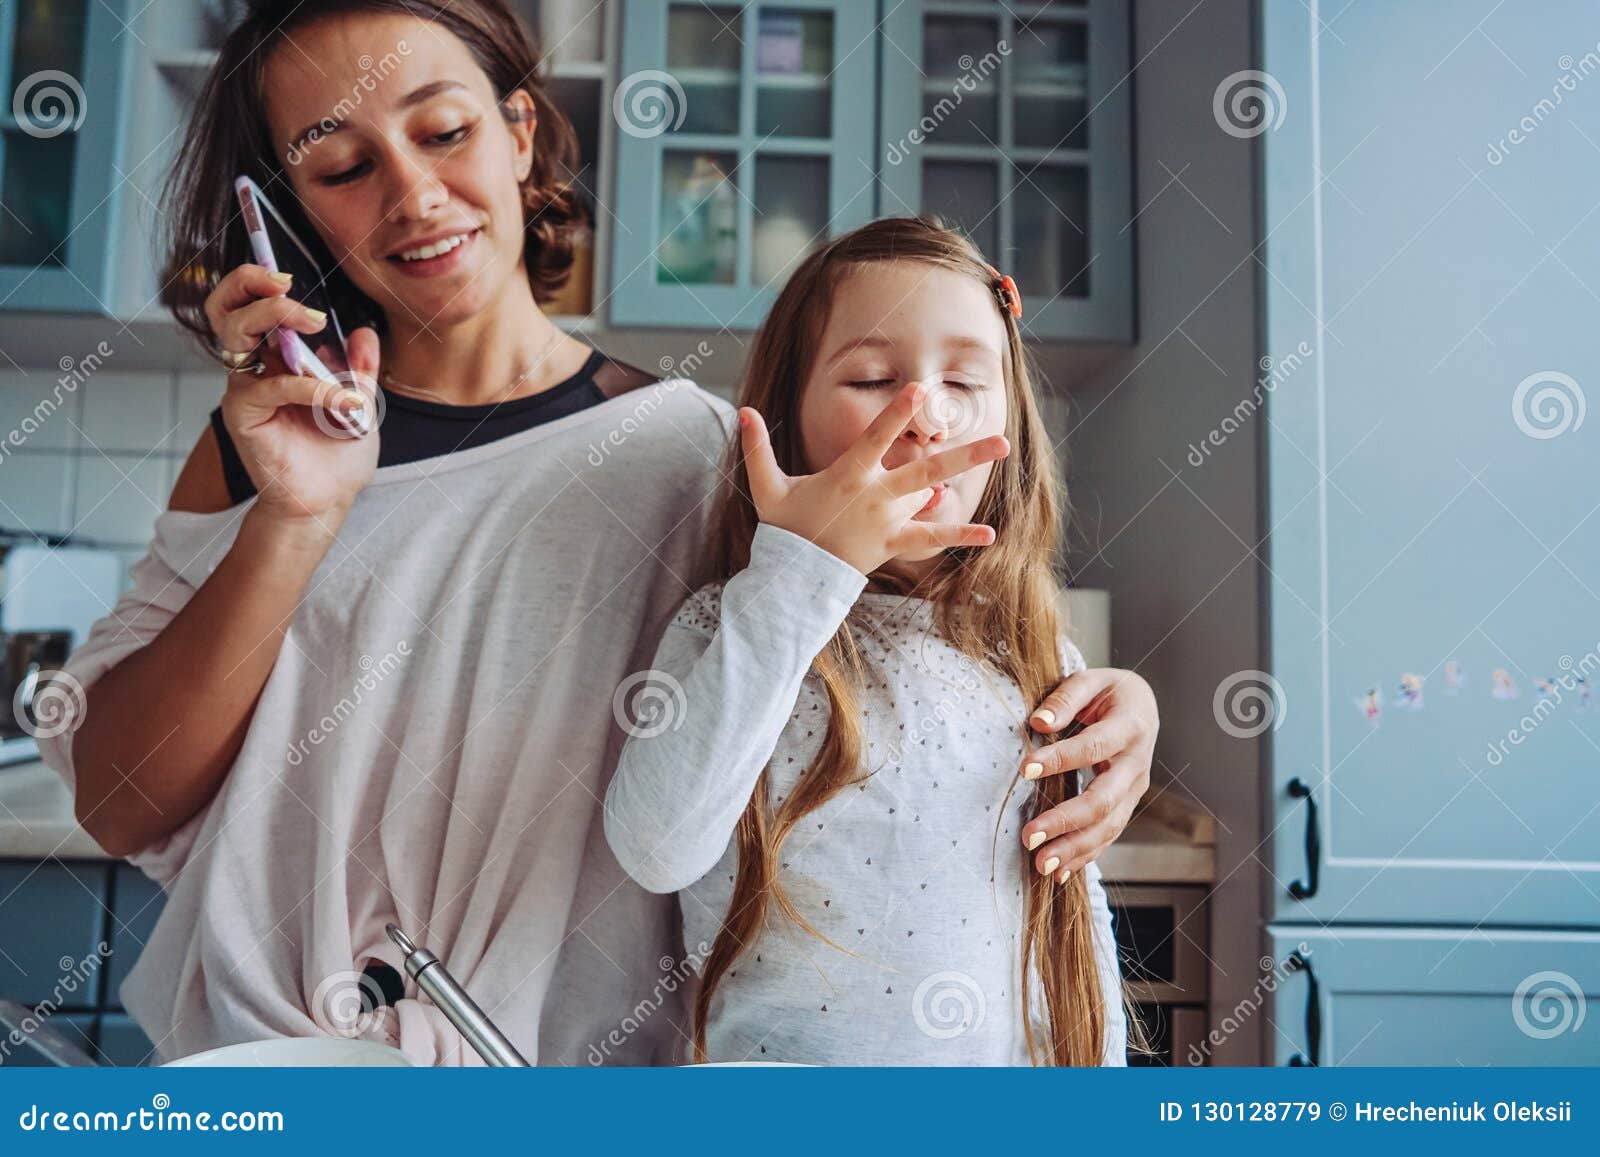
(1007, 291)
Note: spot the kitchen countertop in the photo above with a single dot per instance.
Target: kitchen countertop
(1165, 843)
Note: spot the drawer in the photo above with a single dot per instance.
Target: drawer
(123, 1043)
(52, 918)
(137, 901)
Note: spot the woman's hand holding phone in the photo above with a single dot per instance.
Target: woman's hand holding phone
(301, 473)
(855, 509)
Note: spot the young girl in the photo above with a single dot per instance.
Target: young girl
(838, 800)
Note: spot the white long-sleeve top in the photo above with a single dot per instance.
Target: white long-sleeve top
(916, 873)
(430, 749)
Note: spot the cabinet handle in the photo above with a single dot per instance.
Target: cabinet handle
(1298, 963)
(1299, 789)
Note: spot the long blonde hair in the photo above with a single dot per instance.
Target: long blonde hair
(1013, 626)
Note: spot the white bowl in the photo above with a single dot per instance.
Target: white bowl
(296, 1053)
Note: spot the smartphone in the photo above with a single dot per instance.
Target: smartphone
(278, 249)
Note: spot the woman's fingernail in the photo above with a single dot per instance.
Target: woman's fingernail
(1051, 864)
(316, 315)
(1032, 770)
(1045, 715)
(1066, 874)
(1035, 840)
(353, 402)
(282, 278)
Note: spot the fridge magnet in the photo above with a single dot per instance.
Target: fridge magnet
(1409, 697)
(1505, 687)
(1547, 689)
(1369, 706)
(1585, 694)
(1454, 677)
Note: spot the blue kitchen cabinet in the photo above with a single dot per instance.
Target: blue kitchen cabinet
(746, 134)
(53, 918)
(1014, 122)
(62, 64)
(1434, 996)
(77, 1028)
(1428, 342)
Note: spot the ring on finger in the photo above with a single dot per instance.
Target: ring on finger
(248, 362)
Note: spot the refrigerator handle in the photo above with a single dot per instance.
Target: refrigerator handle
(1299, 789)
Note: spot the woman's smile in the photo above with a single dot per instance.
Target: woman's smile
(442, 254)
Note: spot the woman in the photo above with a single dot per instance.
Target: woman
(383, 688)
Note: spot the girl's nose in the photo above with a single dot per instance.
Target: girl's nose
(925, 428)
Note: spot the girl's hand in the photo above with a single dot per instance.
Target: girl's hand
(1119, 742)
(855, 509)
(301, 472)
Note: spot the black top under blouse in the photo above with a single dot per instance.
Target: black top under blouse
(414, 429)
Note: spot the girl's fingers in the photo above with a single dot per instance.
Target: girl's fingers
(869, 449)
(947, 464)
(941, 535)
(1100, 741)
(1079, 848)
(766, 476)
(1110, 798)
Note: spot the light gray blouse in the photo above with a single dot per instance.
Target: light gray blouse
(916, 873)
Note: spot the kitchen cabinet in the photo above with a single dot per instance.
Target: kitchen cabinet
(750, 133)
(746, 134)
(1014, 121)
(53, 917)
(1431, 559)
(61, 66)
(1435, 996)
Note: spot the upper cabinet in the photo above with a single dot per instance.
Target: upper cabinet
(745, 134)
(61, 68)
(749, 132)
(1014, 120)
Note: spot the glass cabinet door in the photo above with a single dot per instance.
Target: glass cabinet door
(1012, 121)
(60, 74)
(743, 136)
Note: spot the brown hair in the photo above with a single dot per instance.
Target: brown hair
(229, 137)
(1012, 626)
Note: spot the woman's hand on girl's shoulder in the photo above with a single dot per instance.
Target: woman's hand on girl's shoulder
(855, 509)
(1118, 709)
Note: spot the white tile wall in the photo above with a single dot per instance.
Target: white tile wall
(99, 464)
